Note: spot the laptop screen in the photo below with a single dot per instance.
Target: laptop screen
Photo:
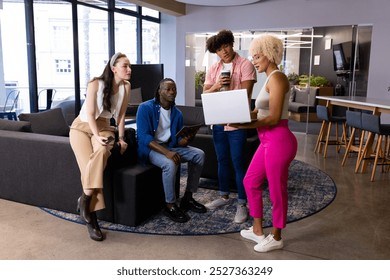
(225, 107)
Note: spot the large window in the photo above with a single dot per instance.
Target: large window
(53, 50)
(151, 42)
(56, 61)
(126, 36)
(13, 61)
(93, 43)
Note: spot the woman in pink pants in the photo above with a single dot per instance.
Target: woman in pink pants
(278, 145)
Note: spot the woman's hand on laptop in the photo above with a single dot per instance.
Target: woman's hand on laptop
(254, 115)
(252, 124)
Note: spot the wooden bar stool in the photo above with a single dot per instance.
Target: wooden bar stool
(354, 121)
(372, 124)
(323, 138)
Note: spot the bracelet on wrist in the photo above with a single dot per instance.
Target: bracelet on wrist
(121, 138)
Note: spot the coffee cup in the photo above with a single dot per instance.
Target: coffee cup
(225, 73)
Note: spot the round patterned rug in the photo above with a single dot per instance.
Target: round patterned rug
(310, 190)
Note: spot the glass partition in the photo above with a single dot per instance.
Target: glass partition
(309, 61)
(296, 61)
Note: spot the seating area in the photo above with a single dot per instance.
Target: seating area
(303, 102)
(128, 187)
(324, 136)
(363, 133)
(64, 44)
(378, 153)
(45, 133)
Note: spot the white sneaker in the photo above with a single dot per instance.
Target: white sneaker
(217, 203)
(241, 214)
(250, 235)
(269, 244)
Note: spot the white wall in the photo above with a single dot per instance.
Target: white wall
(282, 14)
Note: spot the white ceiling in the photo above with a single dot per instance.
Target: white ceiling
(218, 2)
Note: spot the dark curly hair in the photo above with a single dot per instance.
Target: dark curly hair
(224, 37)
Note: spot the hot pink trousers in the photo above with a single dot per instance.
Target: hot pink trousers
(278, 147)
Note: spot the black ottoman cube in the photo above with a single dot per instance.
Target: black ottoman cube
(138, 194)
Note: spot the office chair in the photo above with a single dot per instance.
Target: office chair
(372, 124)
(50, 92)
(354, 121)
(325, 131)
(8, 110)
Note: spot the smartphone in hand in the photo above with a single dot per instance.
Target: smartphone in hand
(110, 140)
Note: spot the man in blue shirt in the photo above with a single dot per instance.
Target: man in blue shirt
(158, 121)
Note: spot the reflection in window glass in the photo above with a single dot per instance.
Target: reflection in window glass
(54, 49)
(126, 36)
(150, 42)
(93, 44)
(15, 75)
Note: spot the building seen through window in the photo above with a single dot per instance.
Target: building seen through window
(55, 49)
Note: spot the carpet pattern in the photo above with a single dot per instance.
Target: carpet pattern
(309, 191)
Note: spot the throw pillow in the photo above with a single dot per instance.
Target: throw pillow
(15, 125)
(301, 95)
(50, 122)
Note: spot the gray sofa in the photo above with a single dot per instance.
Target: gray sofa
(303, 102)
(303, 99)
(40, 169)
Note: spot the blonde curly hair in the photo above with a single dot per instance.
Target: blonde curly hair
(269, 46)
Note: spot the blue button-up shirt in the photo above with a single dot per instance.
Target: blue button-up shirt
(148, 115)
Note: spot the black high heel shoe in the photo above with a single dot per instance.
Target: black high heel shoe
(83, 207)
(93, 228)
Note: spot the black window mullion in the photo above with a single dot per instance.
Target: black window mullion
(111, 28)
(76, 58)
(31, 56)
(139, 36)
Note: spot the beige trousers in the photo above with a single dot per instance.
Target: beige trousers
(91, 156)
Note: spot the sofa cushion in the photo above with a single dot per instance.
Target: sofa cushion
(300, 95)
(191, 114)
(15, 125)
(50, 122)
(135, 97)
(300, 108)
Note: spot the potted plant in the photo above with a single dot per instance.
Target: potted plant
(293, 78)
(314, 81)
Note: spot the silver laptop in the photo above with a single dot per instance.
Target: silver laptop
(226, 107)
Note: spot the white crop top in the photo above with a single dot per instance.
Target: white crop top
(262, 101)
(116, 103)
